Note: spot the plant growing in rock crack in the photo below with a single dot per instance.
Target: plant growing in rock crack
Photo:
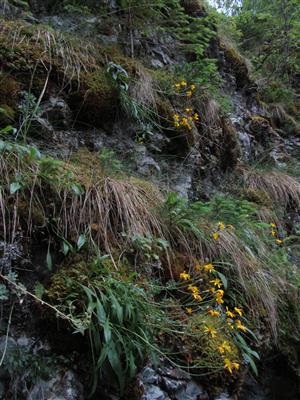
(144, 114)
(117, 315)
(29, 110)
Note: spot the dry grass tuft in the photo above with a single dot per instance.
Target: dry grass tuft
(209, 110)
(143, 90)
(110, 210)
(50, 48)
(281, 188)
(250, 273)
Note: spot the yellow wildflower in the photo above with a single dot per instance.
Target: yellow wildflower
(221, 226)
(212, 290)
(214, 313)
(196, 117)
(188, 110)
(238, 311)
(273, 233)
(224, 347)
(240, 326)
(183, 83)
(229, 323)
(193, 289)
(272, 225)
(229, 314)
(230, 365)
(279, 241)
(198, 267)
(209, 268)
(185, 276)
(192, 87)
(189, 310)
(236, 365)
(216, 282)
(184, 121)
(177, 85)
(197, 297)
(176, 124)
(219, 297)
(215, 236)
(210, 331)
(189, 93)
(176, 117)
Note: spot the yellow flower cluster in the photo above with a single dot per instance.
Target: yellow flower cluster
(183, 86)
(230, 319)
(216, 282)
(224, 348)
(229, 314)
(185, 120)
(194, 290)
(219, 296)
(185, 276)
(274, 234)
(214, 313)
(195, 293)
(210, 331)
(221, 227)
(231, 365)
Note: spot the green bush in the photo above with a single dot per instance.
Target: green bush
(117, 315)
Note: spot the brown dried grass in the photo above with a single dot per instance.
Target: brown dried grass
(50, 48)
(282, 189)
(109, 211)
(143, 89)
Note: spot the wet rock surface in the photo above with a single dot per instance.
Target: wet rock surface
(37, 375)
(168, 383)
(63, 386)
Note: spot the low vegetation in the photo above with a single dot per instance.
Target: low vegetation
(132, 270)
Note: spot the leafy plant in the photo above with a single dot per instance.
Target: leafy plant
(148, 246)
(116, 313)
(29, 109)
(110, 162)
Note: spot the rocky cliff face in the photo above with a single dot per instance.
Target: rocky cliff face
(88, 96)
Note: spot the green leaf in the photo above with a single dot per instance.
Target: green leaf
(117, 308)
(223, 279)
(39, 290)
(101, 314)
(8, 129)
(49, 260)
(107, 331)
(14, 187)
(116, 365)
(131, 364)
(250, 361)
(81, 241)
(77, 189)
(103, 355)
(34, 153)
(66, 247)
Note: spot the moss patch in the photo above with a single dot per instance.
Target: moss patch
(236, 63)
